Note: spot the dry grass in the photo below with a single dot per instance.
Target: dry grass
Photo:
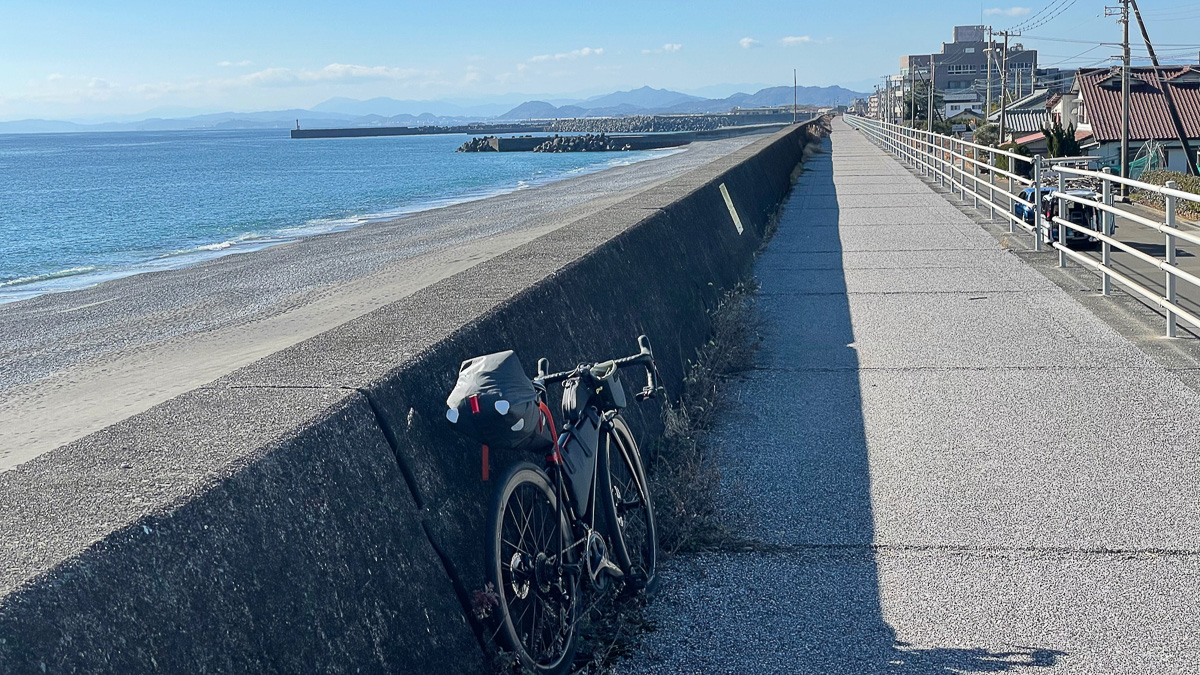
(684, 479)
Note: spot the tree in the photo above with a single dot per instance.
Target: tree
(1024, 169)
(921, 91)
(987, 134)
(1061, 142)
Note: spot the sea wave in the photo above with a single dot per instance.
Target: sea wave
(48, 276)
(240, 240)
(33, 285)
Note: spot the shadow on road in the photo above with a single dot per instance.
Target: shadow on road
(804, 459)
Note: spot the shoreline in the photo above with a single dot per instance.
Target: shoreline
(81, 361)
(82, 276)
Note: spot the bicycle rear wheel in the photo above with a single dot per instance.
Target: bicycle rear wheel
(537, 601)
(629, 512)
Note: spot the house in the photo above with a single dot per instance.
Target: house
(1026, 115)
(957, 102)
(1094, 106)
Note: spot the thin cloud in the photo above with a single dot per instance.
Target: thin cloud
(332, 73)
(749, 43)
(669, 48)
(1007, 11)
(235, 64)
(574, 54)
(794, 40)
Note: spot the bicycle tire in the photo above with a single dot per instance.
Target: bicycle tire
(520, 566)
(627, 506)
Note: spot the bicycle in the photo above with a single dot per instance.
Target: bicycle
(549, 541)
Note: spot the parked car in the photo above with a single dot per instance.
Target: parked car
(1026, 212)
(1078, 213)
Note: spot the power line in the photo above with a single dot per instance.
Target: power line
(1050, 17)
(1041, 11)
(1072, 58)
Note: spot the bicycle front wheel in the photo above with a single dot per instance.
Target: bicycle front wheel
(537, 599)
(627, 505)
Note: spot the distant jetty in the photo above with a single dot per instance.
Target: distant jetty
(608, 142)
(634, 124)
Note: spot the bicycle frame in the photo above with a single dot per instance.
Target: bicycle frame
(555, 466)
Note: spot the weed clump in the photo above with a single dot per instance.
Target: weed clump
(685, 481)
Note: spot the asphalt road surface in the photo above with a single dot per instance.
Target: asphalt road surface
(948, 463)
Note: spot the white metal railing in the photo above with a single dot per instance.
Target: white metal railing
(1034, 202)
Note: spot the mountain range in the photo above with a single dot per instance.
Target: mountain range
(345, 112)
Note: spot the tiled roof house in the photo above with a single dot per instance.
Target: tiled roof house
(1094, 105)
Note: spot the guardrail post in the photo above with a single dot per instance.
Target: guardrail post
(1037, 201)
(992, 183)
(935, 157)
(975, 177)
(1171, 319)
(956, 149)
(943, 144)
(1105, 247)
(924, 153)
(950, 163)
(1062, 214)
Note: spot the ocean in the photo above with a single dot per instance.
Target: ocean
(79, 209)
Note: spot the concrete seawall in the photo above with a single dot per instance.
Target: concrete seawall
(312, 511)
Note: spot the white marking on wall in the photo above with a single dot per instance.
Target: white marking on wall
(737, 221)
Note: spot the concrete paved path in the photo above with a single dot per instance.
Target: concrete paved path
(952, 466)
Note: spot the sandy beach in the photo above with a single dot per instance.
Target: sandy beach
(79, 361)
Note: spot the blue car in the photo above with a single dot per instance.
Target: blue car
(1026, 212)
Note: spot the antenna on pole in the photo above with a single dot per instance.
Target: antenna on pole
(1123, 12)
(1170, 98)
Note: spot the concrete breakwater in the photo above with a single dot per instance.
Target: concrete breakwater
(312, 511)
(633, 124)
(609, 142)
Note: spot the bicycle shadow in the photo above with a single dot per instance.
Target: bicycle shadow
(807, 598)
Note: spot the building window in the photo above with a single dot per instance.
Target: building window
(960, 68)
(970, 50)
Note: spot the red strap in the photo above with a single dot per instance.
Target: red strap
(555, 457)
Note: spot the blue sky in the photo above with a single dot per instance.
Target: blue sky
(76, 60)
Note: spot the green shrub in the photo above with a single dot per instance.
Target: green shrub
(1024, 169)
(1184, 182)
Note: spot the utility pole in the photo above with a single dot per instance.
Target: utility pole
(795, 97)
(887, 96)
(912, 94)
(987, 108)
(1123, 13)
(1004, 87)
(1188, 157)
(932, 86)
(1124, 95)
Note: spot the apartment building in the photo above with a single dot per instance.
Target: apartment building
(963, 62)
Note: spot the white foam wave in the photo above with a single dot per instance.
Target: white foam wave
(47, 276)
